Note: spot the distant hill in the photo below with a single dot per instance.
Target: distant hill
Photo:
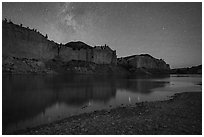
(78, 45)
(191, 70)
(141, 55)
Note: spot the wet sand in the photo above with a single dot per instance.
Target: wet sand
(182, 114)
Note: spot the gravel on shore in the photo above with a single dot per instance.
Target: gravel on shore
(182, 114)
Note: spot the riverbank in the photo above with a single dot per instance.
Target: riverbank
(13, 65)
(182, 114)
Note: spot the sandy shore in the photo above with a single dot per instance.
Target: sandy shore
(180, 115)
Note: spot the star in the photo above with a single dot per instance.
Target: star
(163, 28)
(46, 10)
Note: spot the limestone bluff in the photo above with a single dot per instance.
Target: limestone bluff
(26, 50)
(26, 43)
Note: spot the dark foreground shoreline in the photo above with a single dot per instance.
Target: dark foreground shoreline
(180, 115)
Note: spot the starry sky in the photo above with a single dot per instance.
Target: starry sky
(170, 31)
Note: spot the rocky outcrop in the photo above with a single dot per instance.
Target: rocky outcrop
(80, 51)
(21, 42)
(191, 70)
(144, 63)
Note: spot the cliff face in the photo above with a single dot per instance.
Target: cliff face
(104, 55)
(23, 49)
(25, 43)
(144, 63)
(83, 52)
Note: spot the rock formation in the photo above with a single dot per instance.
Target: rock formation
(26, 50)
(144, 63)
(23, 42)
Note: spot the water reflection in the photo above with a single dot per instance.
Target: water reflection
(26, 96)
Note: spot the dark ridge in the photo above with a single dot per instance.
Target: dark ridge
(78, 45)
(197, 67)
(129, 57)
(188, 70)
(145, 55)
(193, 67)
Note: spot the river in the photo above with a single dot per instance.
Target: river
(32, 100)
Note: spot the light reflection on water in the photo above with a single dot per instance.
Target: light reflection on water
(31, 100)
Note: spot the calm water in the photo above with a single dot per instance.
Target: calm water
(31, 100)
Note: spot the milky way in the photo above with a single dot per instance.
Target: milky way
(171, 31)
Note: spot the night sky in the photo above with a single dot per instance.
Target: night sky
(171, 31)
